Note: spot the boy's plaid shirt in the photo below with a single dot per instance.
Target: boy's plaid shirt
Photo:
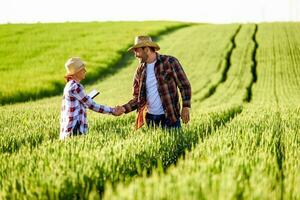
(73, 109)
(170, 76)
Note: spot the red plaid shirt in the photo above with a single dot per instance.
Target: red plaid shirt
(73, 109)
(170, 76)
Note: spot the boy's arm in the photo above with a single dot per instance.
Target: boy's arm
(88, 101)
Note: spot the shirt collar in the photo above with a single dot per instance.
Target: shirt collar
(158, 57)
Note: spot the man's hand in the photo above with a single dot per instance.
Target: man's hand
(118, 110)
(185, 115)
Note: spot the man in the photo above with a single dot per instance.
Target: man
(155, 87)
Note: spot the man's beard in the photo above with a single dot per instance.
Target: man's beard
(143, 59)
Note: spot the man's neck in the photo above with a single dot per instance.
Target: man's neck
(151, 58)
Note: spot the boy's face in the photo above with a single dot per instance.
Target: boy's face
(81, 74)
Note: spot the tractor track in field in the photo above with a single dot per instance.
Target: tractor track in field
(253, 68)
(223, 78)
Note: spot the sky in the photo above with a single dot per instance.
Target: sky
(211, 11)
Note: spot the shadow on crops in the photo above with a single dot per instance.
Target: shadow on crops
(113, 68)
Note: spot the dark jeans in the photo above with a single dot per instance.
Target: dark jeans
(76, 130)
(161, 120)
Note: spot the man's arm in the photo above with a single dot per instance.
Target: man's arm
(185, 90)
(183, 83)
(133, 103)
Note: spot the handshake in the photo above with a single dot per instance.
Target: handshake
(118, 110)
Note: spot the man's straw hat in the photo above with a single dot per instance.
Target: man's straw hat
(74, 65)
(144, 41)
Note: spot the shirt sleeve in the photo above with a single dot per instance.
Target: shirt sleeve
(183, 83)
(87, 101)
(133, 103)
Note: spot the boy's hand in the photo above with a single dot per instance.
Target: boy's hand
(118, 110)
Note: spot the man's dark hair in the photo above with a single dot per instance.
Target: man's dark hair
(151, 48)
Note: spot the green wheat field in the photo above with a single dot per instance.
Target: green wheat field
(243, 140)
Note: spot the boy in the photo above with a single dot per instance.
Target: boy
(75, 101)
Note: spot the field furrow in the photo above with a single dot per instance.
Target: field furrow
(277, 65)
(239, 76)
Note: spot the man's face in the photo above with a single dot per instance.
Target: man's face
(141, 55)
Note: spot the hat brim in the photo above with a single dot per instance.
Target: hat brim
(79, 69)
(145, 44)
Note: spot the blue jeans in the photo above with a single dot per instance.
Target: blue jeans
(161, 120)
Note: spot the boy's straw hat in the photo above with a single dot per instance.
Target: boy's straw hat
(74, 65)
(144, 41)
